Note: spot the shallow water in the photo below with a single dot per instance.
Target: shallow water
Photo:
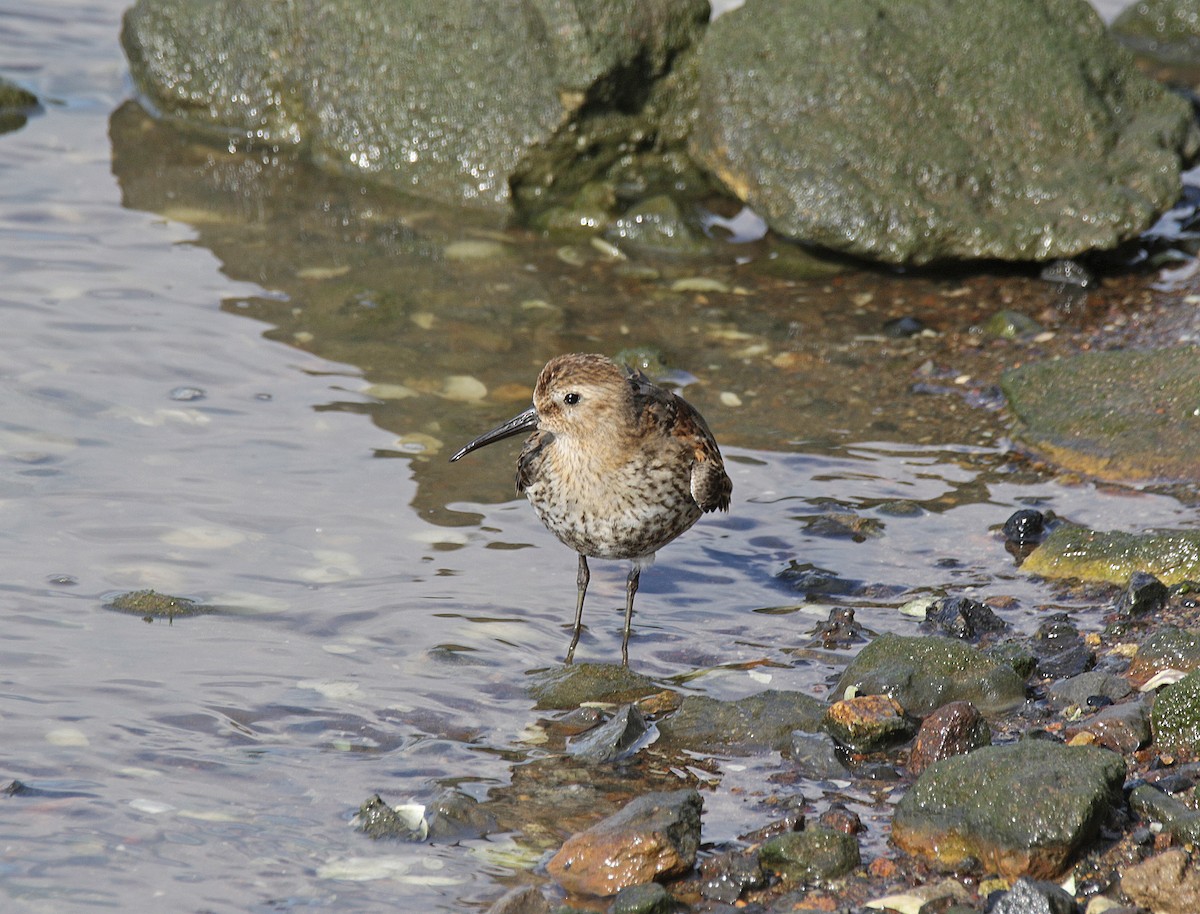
(232, 380)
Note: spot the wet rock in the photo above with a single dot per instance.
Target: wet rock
(812, 855)
(1067, 273)
(1078, 689)
(868, 723)
(314, 76)
(1011, 325)
(1143, 594)
(838, 818)
(903, 327)
(1166, 32)
(1168, 883)
(945, 897)
(1123, 728)
(618, 738)
(524, 900)
(924, 673)
(1176, 818)
(726, 876)
(1014, 654)
(953, 729)
(1025, 526)
(785, 92)
(654, 836)
(16, 106)
(846, 525)
(376, 819)
(454, 816)
(1060, 649)
(816, 582)
(979, 807)
(963, 618)
(815, 756)
(150, 605)
(569, 686)
(839, 630)
(1175, 718)
(658, 225)
(1118, 415)
(1169, 648)
(762, 721)
(1028, 896)
(648, 898)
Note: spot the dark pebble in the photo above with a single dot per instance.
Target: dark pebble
(1143, 594)
(1025, 526)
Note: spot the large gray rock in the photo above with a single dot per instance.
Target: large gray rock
(454, 100)
(1019, 809)
(930, 130)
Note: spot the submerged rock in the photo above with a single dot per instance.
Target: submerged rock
(150, 604)
(1037, 138)
(812, 855)
(815, 756)
(762, 721)
(980, 806)
(571, 685)
(1119, 415)
(1072, 551)
(924, 673)
(654, 836)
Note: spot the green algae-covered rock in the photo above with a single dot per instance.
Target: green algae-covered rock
(1165, 31)
(572, 684)
(1175, 717)
(924, 673)
(1167, 648)
(455, 100)
(1071, 551)
(762, 721)
(1119, 415)
(933, 130)
(1019, 809)
(812, 855)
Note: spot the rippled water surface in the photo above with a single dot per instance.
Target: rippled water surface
(231, 380)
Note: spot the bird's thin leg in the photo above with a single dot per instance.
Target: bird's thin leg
(631, 586)
(581, 581)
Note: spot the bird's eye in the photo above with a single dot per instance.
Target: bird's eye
(572, 398)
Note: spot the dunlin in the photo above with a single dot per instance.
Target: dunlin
(616, 467)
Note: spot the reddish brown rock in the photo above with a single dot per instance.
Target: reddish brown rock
(654, 836)
(1168, 883)
(952, 729)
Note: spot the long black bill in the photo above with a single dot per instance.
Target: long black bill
(524, 422)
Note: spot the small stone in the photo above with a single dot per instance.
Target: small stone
(526, 899)
(618, 738)
(953, 729)
(187, 394)
(726, 876)
(1011, 325)
(376, 819)
(903, 327)
(1079, 689)
(1123, 728)
(1025, 526)
(454, 816)
(815, 756)
(962, 618)
(812, 855)
(868, 723)
(1168, 883)
(1028, 896)
(1143, 594)
(1060, 650)
(656, 835)
(648, 898)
